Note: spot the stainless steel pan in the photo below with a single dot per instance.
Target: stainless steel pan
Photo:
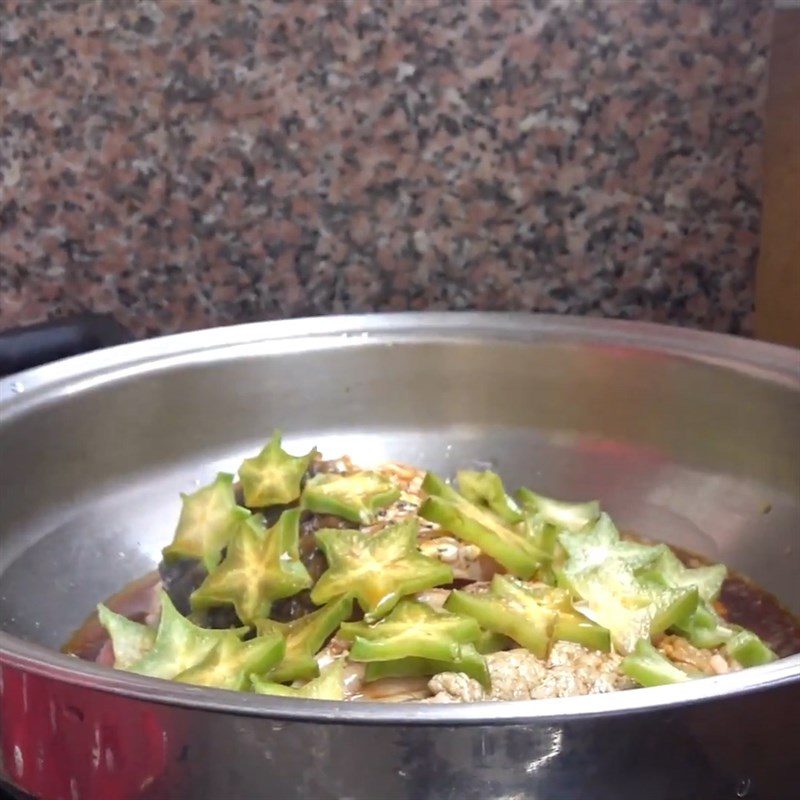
(689, 437)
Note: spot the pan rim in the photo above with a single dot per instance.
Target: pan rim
(762, 359)
(35, 659)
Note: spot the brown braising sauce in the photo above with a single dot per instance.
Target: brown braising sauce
(135, 601)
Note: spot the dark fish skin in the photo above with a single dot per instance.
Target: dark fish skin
(180, 578)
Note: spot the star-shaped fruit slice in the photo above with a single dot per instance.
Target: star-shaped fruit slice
(486, 489)
(608, 576)
(179, 644)
(508, 544)
(273, 477)
(376, 568)
(355, 497)
(130, 640)
(328, 686)
(231, 661)
(559, 513)
(470, 662)
(412, 630)
(208, 519)
(304, 638)
(510, 610)
(259, 566)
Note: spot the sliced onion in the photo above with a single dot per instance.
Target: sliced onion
(395, 690)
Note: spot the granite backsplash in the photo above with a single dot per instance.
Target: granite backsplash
(194, 163)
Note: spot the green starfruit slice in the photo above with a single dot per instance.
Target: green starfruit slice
(208, 519)
(603, 571)
(273, 477)
(611, 596)
(543, 534)
(304, 638)
(669, 570)
(595, 546)
(569, 626)
(230, 662)
(470, 662)
(130, 640)
(412, 629)
(376, 568)
(491, 642)
(545, 537)
(486, 489)
(748, 649)
(648, 667)
(179, 644)
(704, 627)
(355, 497)
(573, 627)
(510, 545)
(328, 686)
(260, 566)
(511, 610)
(563, 515)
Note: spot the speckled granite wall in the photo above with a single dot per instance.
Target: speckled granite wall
(185, 164)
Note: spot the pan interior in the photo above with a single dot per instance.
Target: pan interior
(677, 448)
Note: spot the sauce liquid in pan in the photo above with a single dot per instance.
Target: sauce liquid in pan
(134, 601)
